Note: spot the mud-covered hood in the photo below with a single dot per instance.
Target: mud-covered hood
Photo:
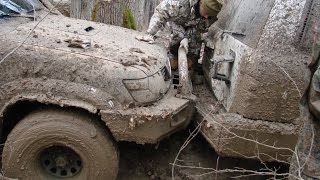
(105, 42)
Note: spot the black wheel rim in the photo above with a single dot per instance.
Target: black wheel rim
(60, 161)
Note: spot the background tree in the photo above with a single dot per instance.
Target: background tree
(63, 6)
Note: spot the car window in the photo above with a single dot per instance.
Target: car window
(8, 7)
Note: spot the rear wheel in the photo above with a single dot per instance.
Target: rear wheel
(53, 144)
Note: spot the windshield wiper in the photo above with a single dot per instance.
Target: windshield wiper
(2, 14)
(20, 15)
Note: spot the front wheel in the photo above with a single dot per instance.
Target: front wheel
(54, 144)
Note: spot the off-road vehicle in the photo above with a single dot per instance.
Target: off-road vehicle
(71, 89)
(255, 60)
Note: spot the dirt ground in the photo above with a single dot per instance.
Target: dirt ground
(144, 162)
(154, 162)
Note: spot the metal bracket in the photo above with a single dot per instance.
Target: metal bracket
(216, 61)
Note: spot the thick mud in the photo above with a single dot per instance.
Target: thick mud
(154, 161)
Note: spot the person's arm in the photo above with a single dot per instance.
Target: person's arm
(164, 12)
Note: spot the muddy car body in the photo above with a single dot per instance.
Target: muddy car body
(255, 65)
(65, 66)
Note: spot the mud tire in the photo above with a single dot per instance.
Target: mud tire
(47, 128)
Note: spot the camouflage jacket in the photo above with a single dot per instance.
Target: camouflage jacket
(308, 147)
(181, 12)
(314, 93)
(312, 167)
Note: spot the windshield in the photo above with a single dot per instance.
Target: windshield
(8, 7)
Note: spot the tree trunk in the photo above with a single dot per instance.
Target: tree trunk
(63, 6)
(133, 14)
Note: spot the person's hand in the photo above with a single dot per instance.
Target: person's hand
(185, 44)
(147, 38)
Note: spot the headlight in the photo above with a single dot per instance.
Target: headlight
(139, 90)
(149, 89)
(136, 84)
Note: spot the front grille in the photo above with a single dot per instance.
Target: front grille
(165, 73)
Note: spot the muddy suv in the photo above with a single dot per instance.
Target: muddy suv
(70, 89)
(254, 63)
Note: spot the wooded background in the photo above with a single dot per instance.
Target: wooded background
(133, 14)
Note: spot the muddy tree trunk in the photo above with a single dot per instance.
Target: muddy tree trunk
(134, 14)
(63, 6)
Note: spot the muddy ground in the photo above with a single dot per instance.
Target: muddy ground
(144, 162)
(154, 161)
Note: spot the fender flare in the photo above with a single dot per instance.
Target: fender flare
(55, 92)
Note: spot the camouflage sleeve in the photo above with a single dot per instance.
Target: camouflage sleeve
(316, 59)
(164, 12)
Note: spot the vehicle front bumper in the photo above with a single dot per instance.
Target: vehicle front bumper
(149, 124)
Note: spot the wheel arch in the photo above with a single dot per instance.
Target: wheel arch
(24, 95)
(28, 104)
